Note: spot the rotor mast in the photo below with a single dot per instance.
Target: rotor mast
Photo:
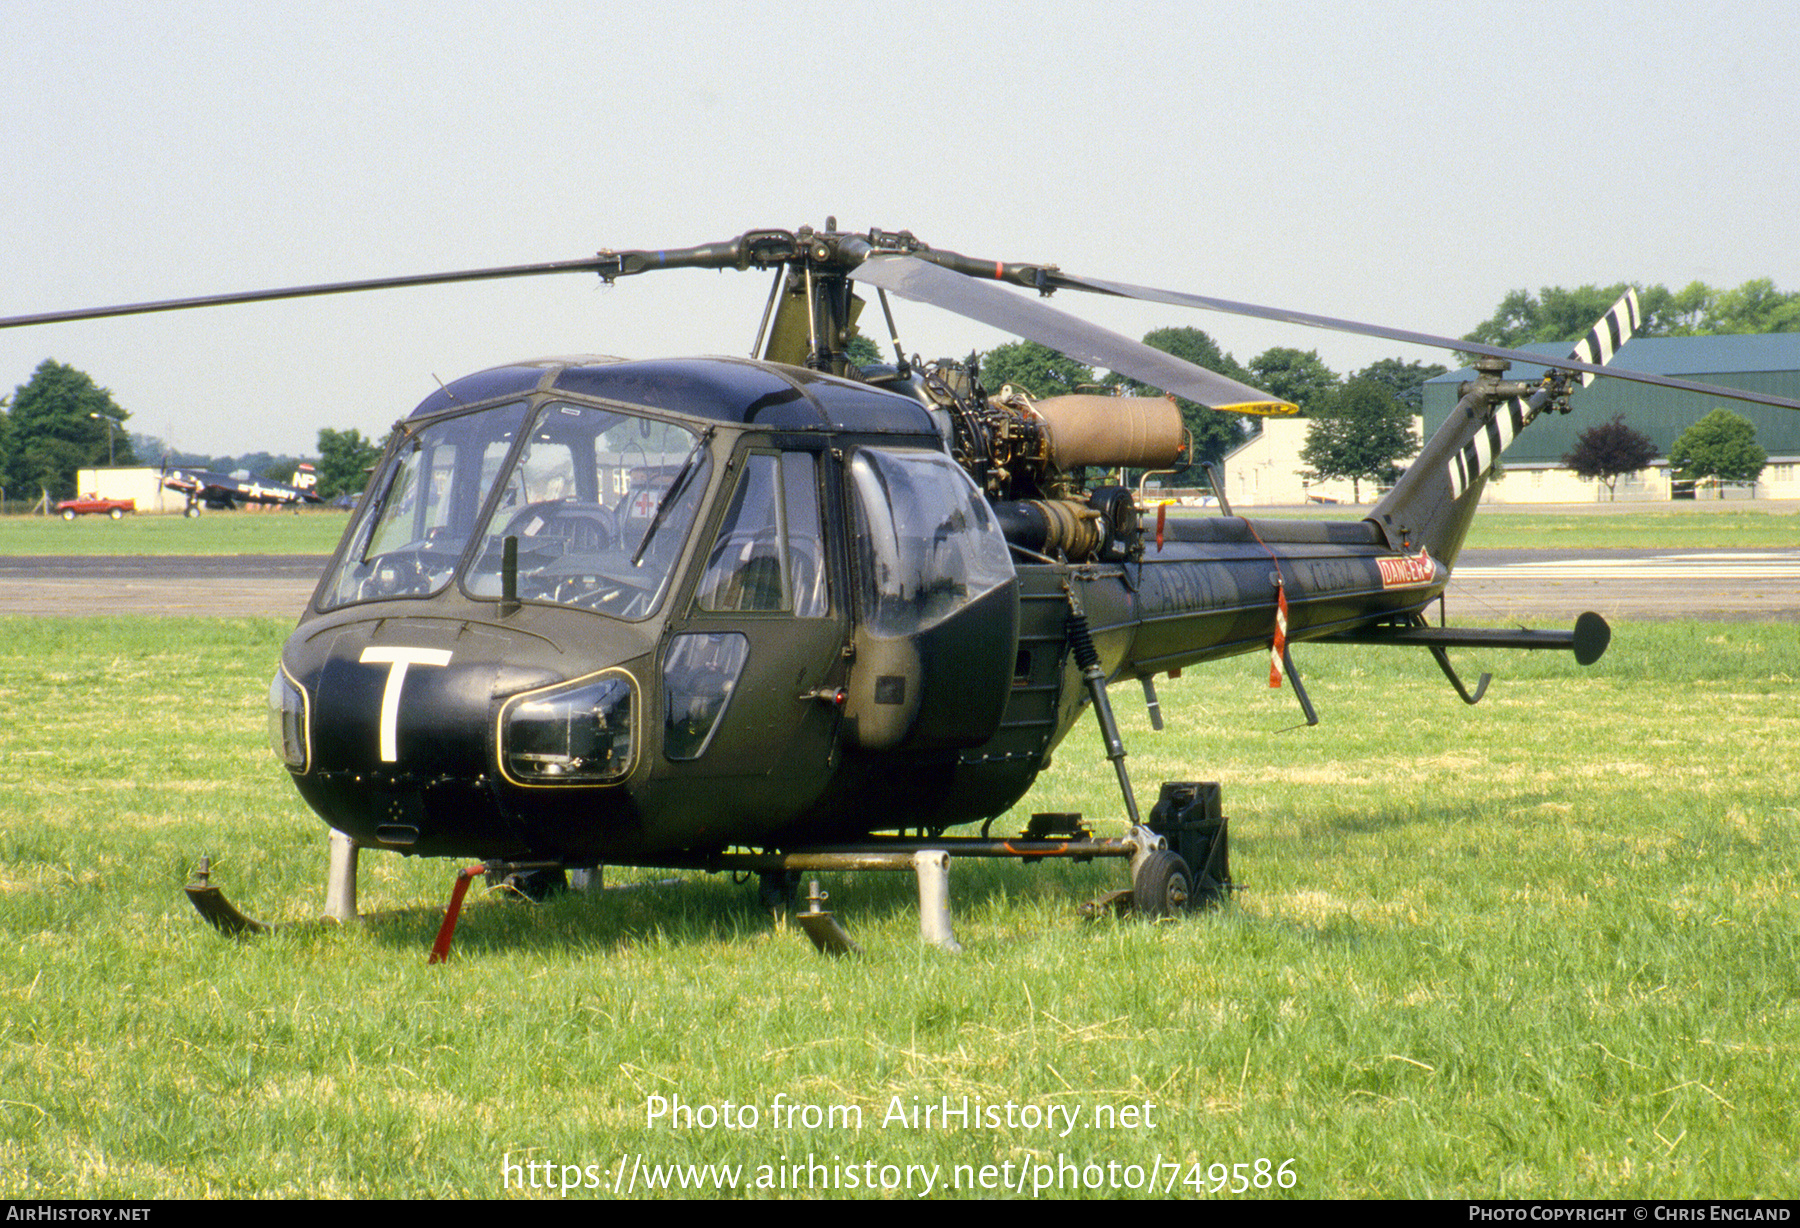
(819, 265)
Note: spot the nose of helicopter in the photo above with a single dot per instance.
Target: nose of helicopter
(396, 741)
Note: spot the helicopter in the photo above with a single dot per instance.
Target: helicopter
(790, 612)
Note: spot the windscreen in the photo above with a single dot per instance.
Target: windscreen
(600, 502)
(428, 501)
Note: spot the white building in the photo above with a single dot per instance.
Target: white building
(142, 484)
(1267, 469)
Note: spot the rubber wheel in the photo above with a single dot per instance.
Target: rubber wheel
(539, 885)
(193, 513)
(1161, 886)
(69, 514)
(116, 513)
(778, 891)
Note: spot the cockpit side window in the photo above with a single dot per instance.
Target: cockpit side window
(769, 554)
(926, 544)
(747, 569)
(806, 534)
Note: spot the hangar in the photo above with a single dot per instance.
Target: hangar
(1266, 469)
(1764, 362)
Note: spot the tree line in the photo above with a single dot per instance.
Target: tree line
(1556, 313)
(61, 421)
(1362, 422)
(1721, 447)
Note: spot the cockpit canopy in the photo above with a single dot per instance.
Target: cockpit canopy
(600, 498)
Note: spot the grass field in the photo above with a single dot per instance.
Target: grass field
(317, 531)
(1548, 946)
(311, 531)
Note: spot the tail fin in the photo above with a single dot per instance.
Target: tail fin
(1435, 499)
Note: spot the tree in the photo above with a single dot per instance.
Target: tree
(1677, 313)
(1559, 314)
(1360, 434)
(1555, 314)
(1033, 368)
(1215, 433)
(6, 449)
(862, 351)
(1754, 307)
(1721, 446)
(1609, 451)
(1294, 375)
(1406, 380)
(344, 459)
(59, 423)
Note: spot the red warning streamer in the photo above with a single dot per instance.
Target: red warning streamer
(1278, 646)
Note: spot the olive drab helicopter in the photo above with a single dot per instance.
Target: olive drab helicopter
(791, 613)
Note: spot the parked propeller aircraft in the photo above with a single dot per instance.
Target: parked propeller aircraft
(223, 492)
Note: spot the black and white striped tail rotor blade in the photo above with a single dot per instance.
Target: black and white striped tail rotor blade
(1495, 436)
(923, 282)
(1607, 336)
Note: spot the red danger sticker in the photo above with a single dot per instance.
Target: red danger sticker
(1407, 569)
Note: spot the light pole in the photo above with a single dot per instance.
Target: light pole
(109, 437)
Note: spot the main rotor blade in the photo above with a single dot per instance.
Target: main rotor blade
(923, 282)
(591, 264)
(1176, 298)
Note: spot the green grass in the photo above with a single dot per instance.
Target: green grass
(1693, 526)
(311, 531)
(1545, 947)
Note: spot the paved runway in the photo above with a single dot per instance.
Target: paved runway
(1539, 586)
(1759, 585)
(159, 584)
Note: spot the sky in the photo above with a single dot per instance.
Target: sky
(1403, 163)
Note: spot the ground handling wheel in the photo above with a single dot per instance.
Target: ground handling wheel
(537, 885)
(1161, 885)
(778, 891)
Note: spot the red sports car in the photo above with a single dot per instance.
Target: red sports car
(93, 505)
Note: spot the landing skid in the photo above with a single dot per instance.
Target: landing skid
(1179, 862)
(211, 903)
(525, 879)
(223, 915)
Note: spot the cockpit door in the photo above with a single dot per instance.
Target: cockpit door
(750, 674)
